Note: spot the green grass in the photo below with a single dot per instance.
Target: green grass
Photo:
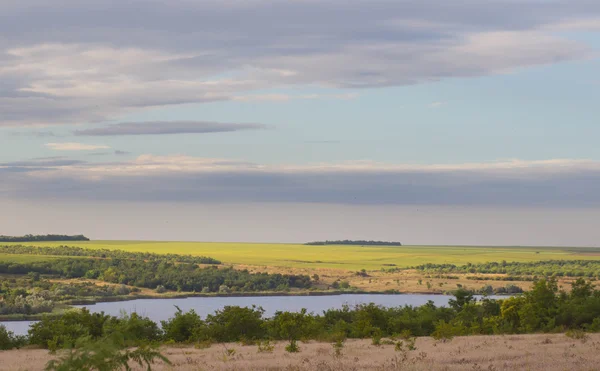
(342, 257)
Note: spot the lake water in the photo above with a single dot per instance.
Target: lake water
(162, 309)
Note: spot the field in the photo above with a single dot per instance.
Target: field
(347, 258)
(516, 352)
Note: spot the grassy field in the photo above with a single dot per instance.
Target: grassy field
(538, 352)
(340, 257)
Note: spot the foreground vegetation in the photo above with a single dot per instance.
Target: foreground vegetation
(543, 309)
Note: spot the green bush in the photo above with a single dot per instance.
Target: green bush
(184, 327)
(64, 331)
(106, 354)
(292, 347)
(8, 340)
(235, 323)
(136, 329)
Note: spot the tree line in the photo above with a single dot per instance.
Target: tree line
(543, 309)
(355, 242)
(157, 273)
(105, 254)
(45, 238)
(545, 268)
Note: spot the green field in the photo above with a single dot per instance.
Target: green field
(341, 257)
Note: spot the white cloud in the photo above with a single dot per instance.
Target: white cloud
(75, 146)
(145, 165)
(436, 104)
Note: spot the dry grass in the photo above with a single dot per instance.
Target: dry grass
(490, 353)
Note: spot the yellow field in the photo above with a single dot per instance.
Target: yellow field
(340, 257)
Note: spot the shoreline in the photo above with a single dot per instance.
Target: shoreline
(82, 302)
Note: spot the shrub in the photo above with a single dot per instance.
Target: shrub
(399, 347)
(136, 329)
(63, 332)
(8, 340)
(203, 344)
(265, 346)
(236, 323)
(577, 335)
(376, 340)
(183, 327)
(105, 355)
(292, 347)
(337, 347)
(444, 331)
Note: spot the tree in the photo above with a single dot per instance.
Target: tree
(462, 297)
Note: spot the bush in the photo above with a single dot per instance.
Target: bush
(338, 345)
(8, 340)
(105, 355)
(445, 331)
(292, 347)
(63, 332)
(577, 335)
(160, 289)
(236, 323)
(184, 327)
(376, 341)
(265, 346)
(136, 329)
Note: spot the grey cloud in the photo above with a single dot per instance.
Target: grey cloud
(46, 162)
(180, 52)
(576, 187)
(121, 153)
(167, 127)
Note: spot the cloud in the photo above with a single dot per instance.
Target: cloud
(75, 146)
(47, 162)
(121, 153)
(288, 97)
(183, 52)
(436, 104)
(559, 182)
(167, 127)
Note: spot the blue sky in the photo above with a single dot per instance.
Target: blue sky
(319, 103)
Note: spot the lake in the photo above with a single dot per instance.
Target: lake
(162, 309)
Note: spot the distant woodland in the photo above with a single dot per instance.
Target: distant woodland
(47, 237)
(355, 242)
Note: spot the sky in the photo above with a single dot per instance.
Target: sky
(426, 122)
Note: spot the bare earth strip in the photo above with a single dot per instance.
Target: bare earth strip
(492, 353)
